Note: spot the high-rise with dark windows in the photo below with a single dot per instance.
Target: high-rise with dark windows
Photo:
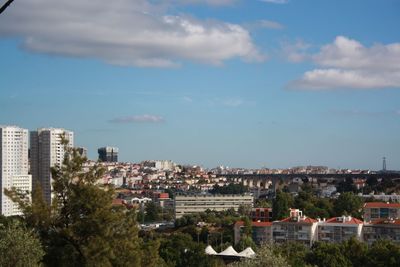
(108, 154)
(47, 151)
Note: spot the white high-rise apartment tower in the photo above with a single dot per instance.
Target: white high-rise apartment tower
(47, 151)
(13, 166)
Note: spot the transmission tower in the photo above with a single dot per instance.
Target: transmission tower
(384, 164)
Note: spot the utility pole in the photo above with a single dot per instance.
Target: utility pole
(5, 5)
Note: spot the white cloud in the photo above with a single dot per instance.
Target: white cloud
(338, 78)
(347, 64)
(275, 1)
(269, 24)
(138, 118)
(187, 99)
(233, 102)
(297, 51)
(351, 54)
(125, 32)
(208, 2)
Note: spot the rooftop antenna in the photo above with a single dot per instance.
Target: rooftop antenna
(384, 164)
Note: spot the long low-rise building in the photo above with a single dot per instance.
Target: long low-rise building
(191, 204)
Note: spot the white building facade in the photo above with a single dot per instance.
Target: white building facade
(191, 204)
(340, 229)
(47, 151)
(14, 166)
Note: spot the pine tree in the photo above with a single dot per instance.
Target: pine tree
(19, 246)
(81, 227)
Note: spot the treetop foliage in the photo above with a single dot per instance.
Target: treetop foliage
(229, 189)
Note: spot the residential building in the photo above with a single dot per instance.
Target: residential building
(382, 229)
(261, 214)
(261, 232)
(162, 165)
(14, 166)
(381, 210)
(108, 154)
(296, 227)
(339, 229)
(82, 151)
(47, 151)
(190, 204)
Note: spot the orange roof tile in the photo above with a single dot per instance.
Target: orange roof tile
(255, 224)
(302, 220)
(386, 221)
(352, 221)
(261, 224)
(381, 205)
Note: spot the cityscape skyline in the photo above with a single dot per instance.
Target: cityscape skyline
(110, 154)
(237, 83)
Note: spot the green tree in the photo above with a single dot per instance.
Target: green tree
(348, 204)
(18, 245)
(372, 181)
(294, 252)
(245, 242)
(355, 251)
(180, 250)
(383, 253)
(81, 227)
(247, 229)
(262, 203)
(281, 205)
(327, 255)
(151, 258)
(204, 232)
(346, 186)
(244, 210)
(229, 189)
(152, 211)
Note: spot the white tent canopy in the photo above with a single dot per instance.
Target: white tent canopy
(229, 251)
(247, 253)
(210, 251)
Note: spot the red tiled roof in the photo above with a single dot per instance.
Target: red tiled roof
(352, 221)
(386, 221)
(255, 224)
(261, 224)
(381, 205)
(302, 220)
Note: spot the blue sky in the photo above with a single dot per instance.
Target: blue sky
(270, 83)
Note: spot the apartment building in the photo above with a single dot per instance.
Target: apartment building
(191, 204)
(13, 166)
(108, 154)
(296, 227)
(382, 229)
(381, 210)
(261, 232)
(261, 214)
(47, 151)
(339, 229)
